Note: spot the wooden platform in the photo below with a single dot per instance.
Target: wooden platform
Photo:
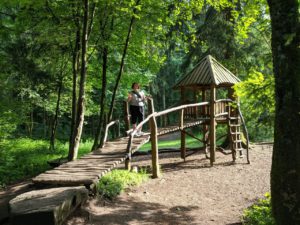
(90, 168)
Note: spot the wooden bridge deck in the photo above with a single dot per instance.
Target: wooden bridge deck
(91, 167)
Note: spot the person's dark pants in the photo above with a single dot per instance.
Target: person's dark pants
(137, 113)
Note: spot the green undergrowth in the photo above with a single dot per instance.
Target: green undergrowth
(190, 143)
(24, 158)
(259, 213)
(164, 144)
(113, 183)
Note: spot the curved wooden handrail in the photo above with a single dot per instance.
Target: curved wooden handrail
(157, 114)
(107, 127)
(224, 100)
(180, 107)
(164, 112)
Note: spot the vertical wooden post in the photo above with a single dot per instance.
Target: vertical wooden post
(126, 115)
(128, 160)
(182, 134)
(154, 144)
(204, 127)
(195, 111)
(212, 124)
(182, 149)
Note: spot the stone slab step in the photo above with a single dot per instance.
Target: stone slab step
(47, 206)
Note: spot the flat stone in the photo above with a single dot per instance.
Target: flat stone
(47, 206)
(9, 193)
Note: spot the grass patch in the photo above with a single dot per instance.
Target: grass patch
(113, 183)
(24, 158)
(259, 213)
(190, 143)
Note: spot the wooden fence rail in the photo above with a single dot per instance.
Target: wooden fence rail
(218, 109)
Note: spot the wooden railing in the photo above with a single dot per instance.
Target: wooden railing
(152, 118)
(186, 111)
(115, 122)
(221, 109)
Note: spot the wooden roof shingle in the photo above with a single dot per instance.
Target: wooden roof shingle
(208, 71)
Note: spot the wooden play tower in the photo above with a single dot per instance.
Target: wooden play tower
(211, 82)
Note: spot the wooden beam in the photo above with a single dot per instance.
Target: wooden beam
(154, 142)
(212, 125)
(128, 151)
(126, 115)
(182, 134)
(193, 136)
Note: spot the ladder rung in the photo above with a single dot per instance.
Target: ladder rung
(237, 141)
(235, 125)
(235, 132)
(233, 118)
(240, 149)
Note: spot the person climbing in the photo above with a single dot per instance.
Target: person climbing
(136, 100)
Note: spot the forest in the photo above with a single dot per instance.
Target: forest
(68, 65)
(47, 70)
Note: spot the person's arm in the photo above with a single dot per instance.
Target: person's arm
(129, 97)
(143, 96)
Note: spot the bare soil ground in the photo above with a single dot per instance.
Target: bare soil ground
(188, 192)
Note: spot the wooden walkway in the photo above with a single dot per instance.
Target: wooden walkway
(90, 168)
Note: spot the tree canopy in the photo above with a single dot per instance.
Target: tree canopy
(68, 65)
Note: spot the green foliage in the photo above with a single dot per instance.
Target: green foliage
(113, 183)
(23, 158)
(168, 38)
(189, 141)
(259, 213)
(257, 97)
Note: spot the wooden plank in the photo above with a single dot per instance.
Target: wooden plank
(103, 166)
(80, 169)
(66, 182)
(47, 177)
(92, 161)
(64, 176)
(73, 173)
(104, 157)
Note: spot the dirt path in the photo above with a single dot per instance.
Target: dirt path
(188, 192)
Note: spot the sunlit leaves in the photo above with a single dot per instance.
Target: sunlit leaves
(257, 95)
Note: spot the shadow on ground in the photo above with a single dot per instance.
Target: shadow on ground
(132, 211)
(200, 162)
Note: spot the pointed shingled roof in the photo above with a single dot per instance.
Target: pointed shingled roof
(208, 71)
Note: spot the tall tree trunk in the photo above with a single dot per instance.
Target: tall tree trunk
(106, 34)
(31, 123)
(45, 122)
(75, 70)
(285, 172)
(99, 130)
(122, 63)
(55, 120)
(73, 151)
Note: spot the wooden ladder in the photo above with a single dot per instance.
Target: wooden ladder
(236, 136)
